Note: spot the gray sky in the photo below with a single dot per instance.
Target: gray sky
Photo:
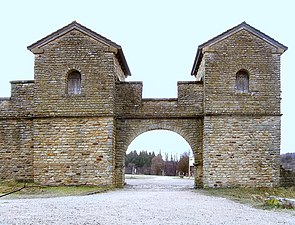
(159, 40)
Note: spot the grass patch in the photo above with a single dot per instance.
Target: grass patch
(32, 190)
(252, 196)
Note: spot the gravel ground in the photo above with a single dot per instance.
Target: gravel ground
(156, 200)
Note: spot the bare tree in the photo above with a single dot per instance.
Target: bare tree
(183, 164)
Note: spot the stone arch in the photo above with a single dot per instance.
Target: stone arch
(128, 129)
(160, 126)
(68, 69)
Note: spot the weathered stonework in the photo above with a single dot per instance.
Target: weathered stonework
(76, 150)
(287, 177)
(241, 150)
(56, 138)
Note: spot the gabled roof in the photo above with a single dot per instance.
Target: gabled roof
(226, 34)
(76, 26)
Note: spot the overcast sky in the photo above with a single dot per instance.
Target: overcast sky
(159, 40)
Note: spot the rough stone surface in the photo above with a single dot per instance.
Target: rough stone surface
(241, 150)
(287, 177)
(76, 151)
(59, 139)
(241, 130)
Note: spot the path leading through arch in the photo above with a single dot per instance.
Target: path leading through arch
(150, 182)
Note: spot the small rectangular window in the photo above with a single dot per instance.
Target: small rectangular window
(74, 83)
(242, 81)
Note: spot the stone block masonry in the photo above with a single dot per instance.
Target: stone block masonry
(73, 123)
(16, 149)
(241, 151)
(287, 177)
(73, 151)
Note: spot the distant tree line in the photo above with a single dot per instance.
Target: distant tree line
(149, 163)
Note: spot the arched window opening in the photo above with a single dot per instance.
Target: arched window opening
(242, 81)
(74, 83)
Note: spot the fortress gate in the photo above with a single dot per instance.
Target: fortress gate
(72, 124)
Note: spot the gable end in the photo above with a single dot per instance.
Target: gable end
(36, 47)
(243, 26)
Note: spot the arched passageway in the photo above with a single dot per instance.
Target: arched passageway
(159, 152)
(128, 129)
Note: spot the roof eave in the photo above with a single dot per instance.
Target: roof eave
(123, 62)
(197, 61)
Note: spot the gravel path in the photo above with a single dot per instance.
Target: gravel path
(157, 200)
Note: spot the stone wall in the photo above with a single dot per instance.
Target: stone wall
(73, 151)
(20, 104)
(16, 149)
(130, 104)
(287, 178)
(16, 133)
(128, 98)
(241, 151)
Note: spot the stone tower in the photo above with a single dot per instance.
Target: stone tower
(75, 74)
(64, 118)
(242, 120)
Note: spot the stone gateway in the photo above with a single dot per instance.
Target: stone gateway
(72, 124)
